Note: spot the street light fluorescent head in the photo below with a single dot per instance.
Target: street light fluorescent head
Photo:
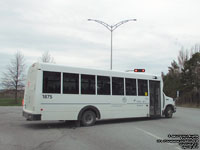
(126, 20)
(111, 28)
(133, 19)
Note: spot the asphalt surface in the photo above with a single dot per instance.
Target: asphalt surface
(123, 134)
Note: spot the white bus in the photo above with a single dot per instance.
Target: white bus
(55, 92)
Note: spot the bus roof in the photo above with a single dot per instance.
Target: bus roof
(82, 70)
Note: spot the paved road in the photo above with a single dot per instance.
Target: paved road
(126, 134)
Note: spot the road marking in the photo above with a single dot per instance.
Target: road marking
(157, 137)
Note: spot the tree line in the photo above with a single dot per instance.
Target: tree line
(183, 78)
(14, 76)
(181, 82)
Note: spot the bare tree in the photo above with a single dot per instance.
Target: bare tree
(174, 68)
(194, 49)
(47, 58)
(182, 57)
(185, 55)
(13, 78)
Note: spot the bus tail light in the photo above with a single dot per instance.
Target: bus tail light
(23, 102)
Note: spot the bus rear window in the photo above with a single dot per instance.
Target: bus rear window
(51, 82)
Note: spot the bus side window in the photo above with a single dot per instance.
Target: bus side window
(103, 85)
(70, 83)
(117, 86)
(130, 86)
(142, 87)
(87, 84)
(51, 82)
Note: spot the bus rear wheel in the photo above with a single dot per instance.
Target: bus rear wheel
(88, 118)
(168, 112)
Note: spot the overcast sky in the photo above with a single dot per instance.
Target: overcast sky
(61, 27)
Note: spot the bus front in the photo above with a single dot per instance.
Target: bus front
(170, 106)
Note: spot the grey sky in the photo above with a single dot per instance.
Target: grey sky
(61, 27)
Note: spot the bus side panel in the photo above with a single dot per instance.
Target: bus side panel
(105, 111)
(62, 113)
(60, 108)
(127, 107)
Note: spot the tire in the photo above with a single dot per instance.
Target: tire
(88, 118)
(169, 112)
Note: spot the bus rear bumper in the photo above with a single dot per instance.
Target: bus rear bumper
(30, 116)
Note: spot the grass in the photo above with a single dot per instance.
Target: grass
(10, 102)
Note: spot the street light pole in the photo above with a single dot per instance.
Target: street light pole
(111, 28)
(111, 51)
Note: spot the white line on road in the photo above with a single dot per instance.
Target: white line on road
(155, 136)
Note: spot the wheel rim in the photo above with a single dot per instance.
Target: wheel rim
(88, 119)
(169, 112)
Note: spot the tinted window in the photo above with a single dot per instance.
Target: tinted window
(70, 83)
(51, 82)
(130, 86)
(117, 86)
(87, 84)
(142, 88)
(103, 85)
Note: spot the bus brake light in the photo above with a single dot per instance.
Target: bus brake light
(23, 102)
(139, 70)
